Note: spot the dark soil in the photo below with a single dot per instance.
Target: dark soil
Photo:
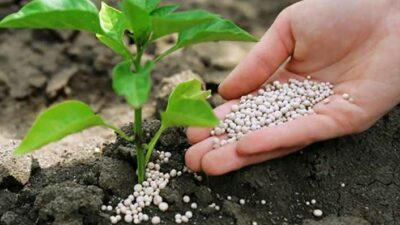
(367, 163)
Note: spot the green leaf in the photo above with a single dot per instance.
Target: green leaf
(113, 23)
(165, 10)
(219, 30)
(176, 22)
(152, 5)
(139, 20)
(56, 14)
(57, 122)
(135, 87)
(187, 106)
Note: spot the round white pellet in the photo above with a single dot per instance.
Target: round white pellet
(113, 220)
(193, 205)
(313, 201)
(128, 218)
(150, 166)
(109, 208)
(184, 219)
(163, 206)
(242, 201)
(155, 220)
(103, 207)
(186, 199)
(317, 212)
(189, 214)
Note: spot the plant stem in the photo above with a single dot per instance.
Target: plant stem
(153, 143)
(140, 154)
(138, 58)
(120, 132)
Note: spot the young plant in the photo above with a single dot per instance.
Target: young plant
(143, 21)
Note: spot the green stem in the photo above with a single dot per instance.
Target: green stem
(140, 154)
(138, 59)
(153, 143)
(164, 54)
(119, 132)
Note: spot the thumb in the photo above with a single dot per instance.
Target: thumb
(263, 60)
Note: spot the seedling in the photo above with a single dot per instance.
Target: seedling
(144, 22)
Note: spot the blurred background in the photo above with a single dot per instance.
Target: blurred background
(41, 67)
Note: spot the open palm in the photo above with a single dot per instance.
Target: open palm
(355, 45)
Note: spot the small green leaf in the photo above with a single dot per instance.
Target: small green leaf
(165, 10)
(176, 22)
(152, 5)
(139, 20)
(56, 14)
(113, 23)
(57, 122)
(187, 106)
(135, 87)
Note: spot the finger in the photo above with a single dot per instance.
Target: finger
(263, 60)
(226, 159)
(196, 134)
(196, 152)
(300, 132)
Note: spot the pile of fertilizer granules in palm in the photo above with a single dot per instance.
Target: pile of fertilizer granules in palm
(274, 104)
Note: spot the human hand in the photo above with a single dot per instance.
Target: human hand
(352, 44)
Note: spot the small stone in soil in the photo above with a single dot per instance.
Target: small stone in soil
(242, 201)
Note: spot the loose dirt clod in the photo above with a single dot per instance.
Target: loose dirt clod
(274, 104)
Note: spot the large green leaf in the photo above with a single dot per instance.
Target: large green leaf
(138, 18)
(57, 122)
(165, 10)
(113, 23)
(135, 87)
(218, 30)
(56, 14)
(176, 22)
(187, 106)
